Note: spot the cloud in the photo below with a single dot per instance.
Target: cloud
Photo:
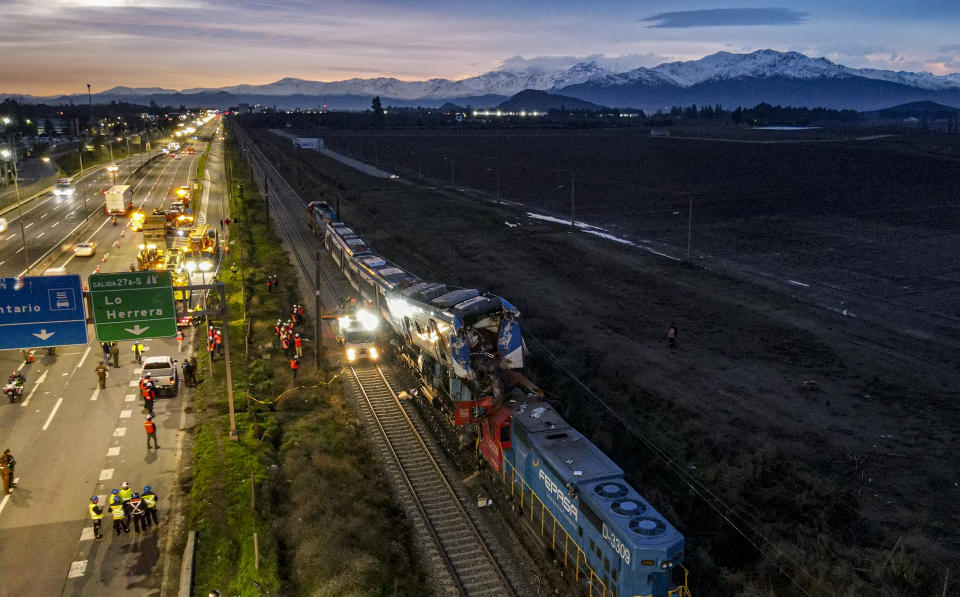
(614, 63)
(723, 17)
(949, 49)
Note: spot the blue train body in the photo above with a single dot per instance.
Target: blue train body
(467, 349)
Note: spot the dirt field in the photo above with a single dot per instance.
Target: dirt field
(852, 489)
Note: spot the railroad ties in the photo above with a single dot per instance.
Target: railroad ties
(464, 551)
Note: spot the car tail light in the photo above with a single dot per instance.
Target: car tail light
(171, 380)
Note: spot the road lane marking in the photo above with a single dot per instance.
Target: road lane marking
(106, 474)
(40, 379)
(125, 414)
(77, 569)
(41, 234)
(43, 215)
(119, 432)
(87, 534)
(134, 383)
(20, 250)
(28, 225)
(6, 498)
(795, 283)
(114, 451)
(55, 225)
(84, 357)
(130, 397)
(96, 393)
(11, 236)
(52, 413)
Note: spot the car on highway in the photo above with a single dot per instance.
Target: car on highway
(175, 155)
(86, 249)
(63, 188)
(163, 372)
(3, 225)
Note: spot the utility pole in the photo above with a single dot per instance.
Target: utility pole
(234, 435)
(689, 226)
(573, 223)
(317, 316)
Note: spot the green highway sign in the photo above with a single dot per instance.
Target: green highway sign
(133, 305)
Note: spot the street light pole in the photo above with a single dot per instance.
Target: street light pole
(23, 230)
(573, 223)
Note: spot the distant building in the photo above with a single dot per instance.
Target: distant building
(243, 108)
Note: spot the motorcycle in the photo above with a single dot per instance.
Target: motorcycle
(14, 388)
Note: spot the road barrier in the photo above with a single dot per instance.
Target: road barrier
(186, 568)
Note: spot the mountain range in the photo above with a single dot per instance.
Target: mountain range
(786, 78)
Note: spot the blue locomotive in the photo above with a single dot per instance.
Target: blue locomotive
(466, 348)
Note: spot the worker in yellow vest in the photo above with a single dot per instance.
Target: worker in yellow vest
(118, 512)
(96, 515)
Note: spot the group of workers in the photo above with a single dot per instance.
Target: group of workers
(214, 341)
(273, 281)
(291, 343)
(126, 505)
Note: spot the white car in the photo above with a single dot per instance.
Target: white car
(85, 249)
(3, 225)
(63, 188)
(163, 372)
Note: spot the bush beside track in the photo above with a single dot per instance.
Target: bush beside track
(324, 518)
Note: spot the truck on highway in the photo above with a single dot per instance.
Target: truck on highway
(119, 199)
(314, 143)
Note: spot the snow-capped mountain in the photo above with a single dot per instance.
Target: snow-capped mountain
(498, 82)
(788, 78)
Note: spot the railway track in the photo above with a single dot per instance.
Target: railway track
(468, 560)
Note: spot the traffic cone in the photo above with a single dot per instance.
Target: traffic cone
(123, 234)
(98, 270)
(116, 244)
(102, 260)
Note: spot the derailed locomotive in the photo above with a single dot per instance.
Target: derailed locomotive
(467, 350)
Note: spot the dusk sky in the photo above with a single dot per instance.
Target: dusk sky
(57, 46)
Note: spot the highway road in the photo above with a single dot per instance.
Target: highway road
(72, 440)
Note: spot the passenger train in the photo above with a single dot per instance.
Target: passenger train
(467, 350)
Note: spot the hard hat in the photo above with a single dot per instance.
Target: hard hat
(146, 488)
(114, 491)
(117, 500)
(125, 485)
(94, 499)
(149, 417)
(147, 375)
(297, 335)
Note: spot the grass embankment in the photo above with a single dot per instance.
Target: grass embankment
(69, 163)
(202, 164)
(323, 515)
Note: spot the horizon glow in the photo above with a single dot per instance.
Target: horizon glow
(58, 46)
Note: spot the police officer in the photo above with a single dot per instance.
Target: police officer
(96, 515)
(118, 512)
(115, 353)
(187, 373)
(150, 500)
(138, 512)
(102, 374)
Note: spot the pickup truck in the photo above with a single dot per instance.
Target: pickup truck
(163, 372)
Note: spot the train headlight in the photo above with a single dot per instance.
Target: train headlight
(666, 564)
(351, 355)
(374, 354)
